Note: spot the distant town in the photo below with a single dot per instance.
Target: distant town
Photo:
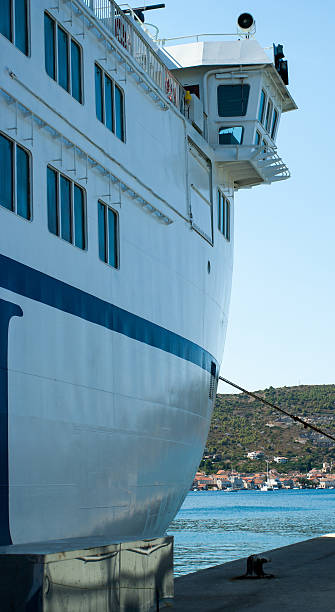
(248, 438)
(229, 480)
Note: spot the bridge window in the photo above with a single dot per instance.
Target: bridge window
(15, 178)
(274, 123)
(66, 208)
(63, 58)
(108, 235)
(233, 100)
(268, 115)
(14, 22)
(109, 102)
(262, 106)
(231, 135)
(224, 215)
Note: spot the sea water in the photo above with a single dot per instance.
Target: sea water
(214, 527)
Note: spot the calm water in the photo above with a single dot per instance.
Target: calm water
(215, 527)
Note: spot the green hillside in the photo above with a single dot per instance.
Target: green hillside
(241, 424)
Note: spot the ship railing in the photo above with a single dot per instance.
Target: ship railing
(266, 161)
(198, 38)
(123, 29)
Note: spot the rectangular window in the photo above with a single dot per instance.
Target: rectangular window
(109, 111)
(274, 123)
(119, 121)
(98, 93)
(52, 200)
(14, 178)
(268, 116)
(66, 208)
(6, 19)
(22, 183)
(102, 232)
(79, 217)
(227, 219)
(21, 25)
(6, 173)
(63, 58)
(112, 237)
(49, 46)
(262, 106)
(109, 102)
(14, 22)
(221, 216)
(76, 71)
(233, 100)
(231, 135)
(224, 215)
(108, 235)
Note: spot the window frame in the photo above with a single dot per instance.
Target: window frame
(268, 116)
(117, 233)
(70, 38)
(12, 28)
(228, 127)
(123, 112)
(58, 234)
(13, 210)
(242, 86)
(261, 116)
(274, 122)
(105, 74)
(224, 215)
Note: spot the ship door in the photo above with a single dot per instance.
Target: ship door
(200, 192)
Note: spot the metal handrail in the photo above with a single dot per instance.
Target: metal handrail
(197, 37)
(266, 159)
(128, 36)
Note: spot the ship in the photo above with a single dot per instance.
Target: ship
(120, 155)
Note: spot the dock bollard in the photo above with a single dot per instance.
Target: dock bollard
(255, 568)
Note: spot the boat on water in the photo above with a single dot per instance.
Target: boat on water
(119, 159)
(267, 487)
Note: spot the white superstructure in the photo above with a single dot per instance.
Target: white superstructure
(116, 248)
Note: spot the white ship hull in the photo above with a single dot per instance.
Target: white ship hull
(108, 375)
(105, 431)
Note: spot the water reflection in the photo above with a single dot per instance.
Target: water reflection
(216, 527)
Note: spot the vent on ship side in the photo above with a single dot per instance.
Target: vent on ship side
(212, 381)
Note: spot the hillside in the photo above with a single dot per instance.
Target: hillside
(241, 424)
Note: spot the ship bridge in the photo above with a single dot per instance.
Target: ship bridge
(235, 97)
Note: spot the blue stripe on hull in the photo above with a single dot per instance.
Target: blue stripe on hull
(45, 289)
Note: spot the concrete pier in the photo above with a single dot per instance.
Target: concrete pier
(86, 575)
(304, 580)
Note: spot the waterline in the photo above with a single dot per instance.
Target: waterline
(214, 527)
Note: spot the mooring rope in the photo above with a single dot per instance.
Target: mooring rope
(275, 407)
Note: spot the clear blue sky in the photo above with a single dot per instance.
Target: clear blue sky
(281, 323)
